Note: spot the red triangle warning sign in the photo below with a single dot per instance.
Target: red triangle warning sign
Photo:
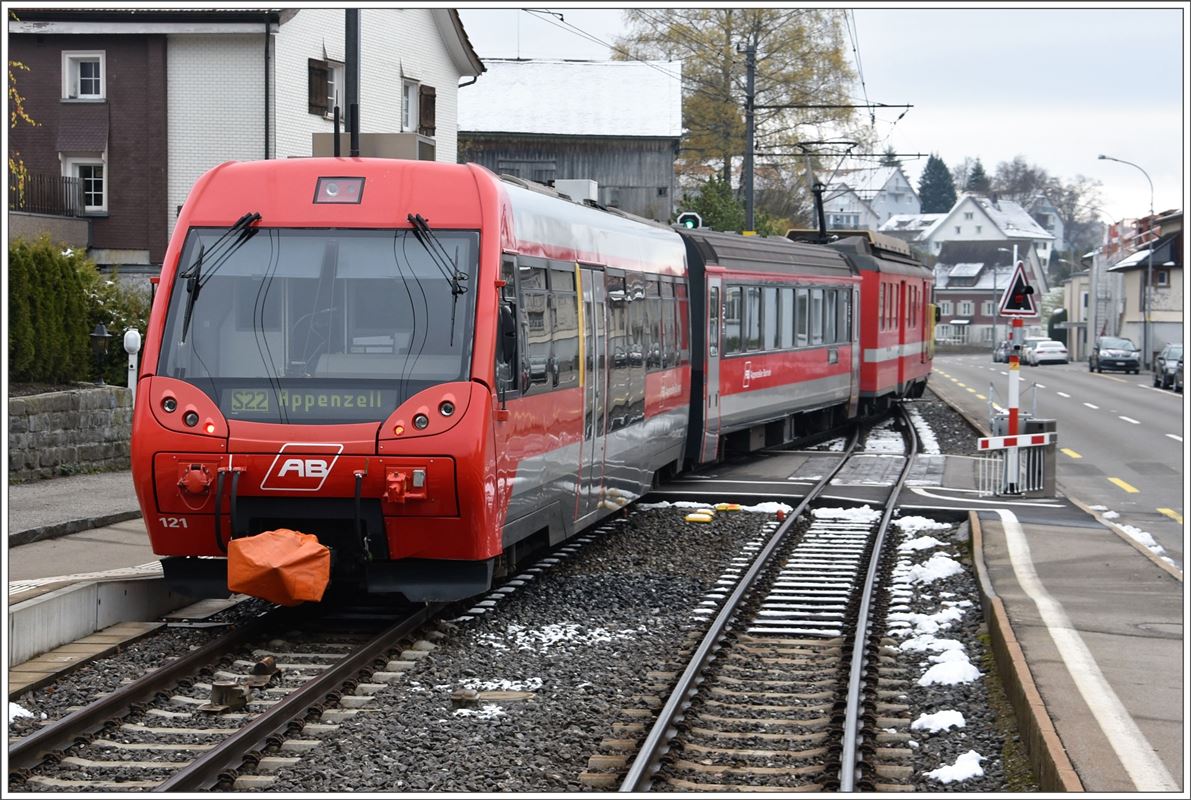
(1018, 299)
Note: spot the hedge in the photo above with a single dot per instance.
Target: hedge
(55, 299)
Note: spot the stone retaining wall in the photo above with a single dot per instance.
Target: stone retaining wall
(62, 433)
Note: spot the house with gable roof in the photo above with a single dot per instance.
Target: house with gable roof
(970, 278)
(867, 198)
(614, 124)
(975, 217)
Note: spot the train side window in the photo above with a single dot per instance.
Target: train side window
(843, 316)
(683, 322)
(816, 316)
(829, 316)
(732, 312)
(507, 360)
(535, 302)
(770, 320)
(786, 316)
(563, 367)
(752, 318)
(653, 325)
(802, 317)
(881, 309)
(565, 315)
(669, 342)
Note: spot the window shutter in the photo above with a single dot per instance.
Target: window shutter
(426, 113)
(316, 94)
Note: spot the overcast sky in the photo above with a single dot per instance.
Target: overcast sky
(1057, 86)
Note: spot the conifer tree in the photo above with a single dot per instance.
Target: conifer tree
(936, 190)
(978, 180)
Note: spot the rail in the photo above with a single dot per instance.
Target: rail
(656, 743)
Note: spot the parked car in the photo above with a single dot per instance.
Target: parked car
(1114, 352)
(1001, 352)
(1048, 352)
(1178, 376)
(1024, 356)
(1165, 363)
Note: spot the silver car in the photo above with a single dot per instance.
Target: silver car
(1165, 363)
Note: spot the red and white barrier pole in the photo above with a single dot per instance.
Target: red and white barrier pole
(1011, 462)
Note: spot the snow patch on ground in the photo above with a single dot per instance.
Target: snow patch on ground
(862, 514)
(940, 721)
(488, 711)
(911, 525)
(938, 566)
(966, 766)
(541, 640)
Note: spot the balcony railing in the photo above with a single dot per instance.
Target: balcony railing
(40, 193)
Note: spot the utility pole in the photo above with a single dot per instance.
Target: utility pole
(750, 80)
(352, 78)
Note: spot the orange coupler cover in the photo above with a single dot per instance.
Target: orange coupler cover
(282, 566)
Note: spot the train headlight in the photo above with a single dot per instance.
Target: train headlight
(190, 418)
(421, 421)
(446, 408)
(170, 404)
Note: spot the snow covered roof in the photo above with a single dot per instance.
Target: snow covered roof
(866, 183)
(575, 98)
(910, 222)
(1010, 218)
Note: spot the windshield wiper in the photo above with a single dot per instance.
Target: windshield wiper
(442, 260)
(440, 257)
(193, 273)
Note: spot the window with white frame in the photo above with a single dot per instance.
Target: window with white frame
(965, 308)
(986, 308)
(91, 172)
(945, 307)
(83, 75)
(968, 215)
(1162, 278)
(409, 106)
(845, 220)
(336, 89)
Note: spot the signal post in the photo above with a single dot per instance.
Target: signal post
(1017, 302)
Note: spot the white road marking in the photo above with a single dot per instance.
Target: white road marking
(1146, 770)
(1175, 437)
(1130, 419)
(1089, 405)
(1063, 394)
(1040, 385)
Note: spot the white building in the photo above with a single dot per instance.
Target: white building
(239, 92)
(867, 198)
(976, 218)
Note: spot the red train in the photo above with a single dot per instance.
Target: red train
(434, 370)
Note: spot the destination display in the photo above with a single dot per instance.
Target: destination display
(268, 404)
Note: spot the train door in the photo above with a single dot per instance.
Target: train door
(708, 448)
(594, 363)
(857, 351)
(903, 324)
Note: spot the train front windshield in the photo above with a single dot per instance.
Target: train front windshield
(320, 326)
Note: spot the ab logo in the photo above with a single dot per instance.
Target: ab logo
(303, 469)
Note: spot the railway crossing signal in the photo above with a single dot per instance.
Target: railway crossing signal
(689, 219)
(1018, 299)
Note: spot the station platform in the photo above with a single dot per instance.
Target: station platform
(1086, 623)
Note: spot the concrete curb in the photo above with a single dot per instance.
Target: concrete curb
(17, 538)
(1045, 749)
(1080, 504)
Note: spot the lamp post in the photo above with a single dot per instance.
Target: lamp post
(99, 346)
(1145, 300)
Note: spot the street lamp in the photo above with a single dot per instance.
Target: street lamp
(99, 347)
(1146, 300)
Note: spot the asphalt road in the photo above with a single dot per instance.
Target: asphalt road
(1120, 439)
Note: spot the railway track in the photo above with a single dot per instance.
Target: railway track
(242, 702)
(786, 690)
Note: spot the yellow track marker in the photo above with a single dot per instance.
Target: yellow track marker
(1069, 452)
(1125, 486)
(982, 397)
(1170, 512)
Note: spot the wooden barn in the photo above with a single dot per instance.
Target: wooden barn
(616, 123)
